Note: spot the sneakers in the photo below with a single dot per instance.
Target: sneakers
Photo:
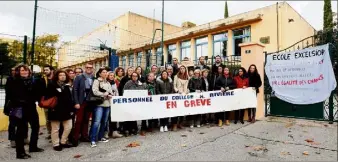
(198, 126)
(227, 123)
(191, 126)
(117, 134)
(13, 144)
(106, 135)
(103, 140)
(165, 128)
(161, 129)
(93, 144)
(220, 123)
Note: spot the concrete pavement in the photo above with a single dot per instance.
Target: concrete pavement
(277, 139)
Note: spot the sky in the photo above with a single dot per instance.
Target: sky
(17, 17)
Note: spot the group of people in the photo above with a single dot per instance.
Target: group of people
(80, 96)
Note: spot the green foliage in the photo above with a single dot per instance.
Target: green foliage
(328, 17)
(226, 12)
(6, 62)
(44, 48)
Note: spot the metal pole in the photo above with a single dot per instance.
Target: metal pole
(33, 41)
(25, 49)
(162, 27)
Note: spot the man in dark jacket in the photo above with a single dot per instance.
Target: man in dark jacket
(81, 88)
(175, 66)
(43, 82)
(202, 65)
(218, 62)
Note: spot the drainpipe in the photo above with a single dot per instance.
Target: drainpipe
(277, 28)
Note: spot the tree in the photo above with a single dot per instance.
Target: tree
(226, 12)
(6, 62)
(45, 50)
(328, 16)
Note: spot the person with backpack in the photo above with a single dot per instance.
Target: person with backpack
(81, 87)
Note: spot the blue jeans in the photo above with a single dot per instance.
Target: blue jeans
(99, 122)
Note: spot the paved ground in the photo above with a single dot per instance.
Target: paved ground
(271, 139)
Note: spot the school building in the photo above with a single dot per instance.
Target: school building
(277, 27)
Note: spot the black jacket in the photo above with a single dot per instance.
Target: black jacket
(42, 87)
(195, 84)
(255, 81)
(212, 83)
(222, 81)
(22, 93)
(175, 69)
(142, 79)
(214, 68)
(204, 86)
(123, 82)
(64, 108)
(204, 67)
(79, 89)
(8, 84)
(164, 86)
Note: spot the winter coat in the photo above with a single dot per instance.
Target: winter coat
(64, 108)
(223, 81)
(213, 79)
(180, 85)
(22, 93)
(214, 68)
(8, 84)
(255, 81)
(131, 85)
(195, 84)
(204, 85)
(241, 81)
(151, 86)
(114, 88)
(104, 85)
(123, 82)
(164, 86)
(142, 79)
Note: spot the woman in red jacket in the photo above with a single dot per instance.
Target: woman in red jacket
(242, 81)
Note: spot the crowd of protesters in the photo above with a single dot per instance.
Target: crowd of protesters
(81, 96)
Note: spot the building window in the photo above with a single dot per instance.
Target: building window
(171, 53)
(185, 49)
(201, 47)
(139, 59)
(124, 62)
(240, 36)
(148, 58)
(131, 60)
(159, 57)
(220, 43)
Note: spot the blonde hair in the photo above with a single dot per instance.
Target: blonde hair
(205, 71)
(197, 71)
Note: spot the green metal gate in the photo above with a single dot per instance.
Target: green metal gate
(326, 110)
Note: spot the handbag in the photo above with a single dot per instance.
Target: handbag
(48, 103)
(16, 112)
(93, 99)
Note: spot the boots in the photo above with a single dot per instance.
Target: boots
(220, 123)
(227, 123)
(250, 119)
(117, 134)
(174, 127)
(253, 119)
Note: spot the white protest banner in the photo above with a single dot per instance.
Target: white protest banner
(162, 106)
(301, 77)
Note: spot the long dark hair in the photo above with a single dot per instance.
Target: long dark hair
(140, 68)
(164, 71)
(56, 76)
(255, 73)
(117, 71)
(138, 76)
(24, 66)
(100, 71)
(183, 76)
(244, 71)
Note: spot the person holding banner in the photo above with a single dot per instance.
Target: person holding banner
(133, 84)
(125, 79)
(214, 77)
(101, 88)
(205, 88)
(195, 85)
(164, 86)
(181, 81)
(150, 84)
(241, 82)
(255, 81)
(224, 82)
